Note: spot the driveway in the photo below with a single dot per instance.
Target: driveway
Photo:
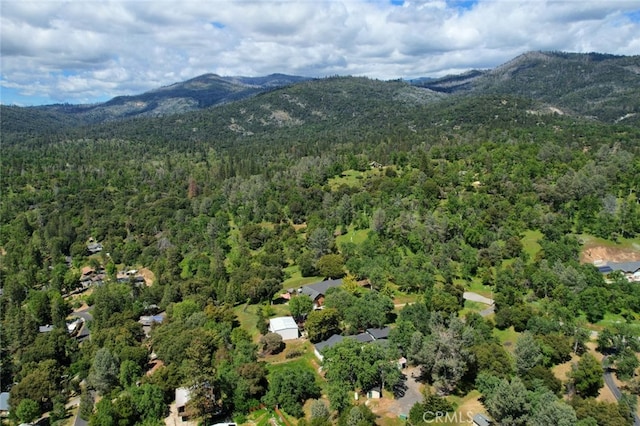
(611, 384)
(85, 315)
(475, 297)
(411, 396)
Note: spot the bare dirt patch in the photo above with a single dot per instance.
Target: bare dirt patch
(148, 276)
(604, 254)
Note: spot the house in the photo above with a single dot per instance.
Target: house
(606, 269)
(148, 320)
(330, 342)
(75, 326)
(4, 404)
(285, 327)
(362, 338)
(374, 393)
(317, 291)
(481, 420)
(379, 333)
(94, 248)
(183, 395)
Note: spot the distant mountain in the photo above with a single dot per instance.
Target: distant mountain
(599, 86)
(201, 92)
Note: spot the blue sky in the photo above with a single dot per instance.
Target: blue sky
(86, 51)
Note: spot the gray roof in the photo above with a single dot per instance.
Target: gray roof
(362, 337)
(481, 420)
(4, 401)
(625, 266)
(320, 288)
(379, 333)
(331, 341)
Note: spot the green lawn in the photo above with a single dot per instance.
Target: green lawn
(353, 236)
(476, 286)
(470, 306)
(622, 243)
(507, 337)
(530, 243)
(296, 279)
(348, 177)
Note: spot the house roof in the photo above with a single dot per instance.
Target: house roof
(182, 397)
(362, 337)
(282, 323)
(481, 420)
(605, 269)
(331, 341)
(4, 401)
(150, 319)
(45, 328)
(379, 333)
(628, 267)
(318, 289)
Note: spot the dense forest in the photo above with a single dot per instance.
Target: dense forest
(411, 196)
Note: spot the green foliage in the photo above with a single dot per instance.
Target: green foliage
(28, 410)
(271, 343)
(431, 406)
(321, 325)
(587, 376)
(508, 404)
(105, 369)
(300, 306)
(290, 387)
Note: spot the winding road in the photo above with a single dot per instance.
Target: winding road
(611, 384)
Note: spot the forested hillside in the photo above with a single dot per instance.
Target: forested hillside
(417, 195)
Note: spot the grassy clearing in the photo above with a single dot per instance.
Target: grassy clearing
(611, 319)
(353, 236)
(307, 360)
(588, 241)
(530, 243)
(470, 306)
(351, 178)
(247, 317)
(476, 286)
(507, 337)
(296, 279)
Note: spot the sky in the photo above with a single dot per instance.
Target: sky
(88, 51)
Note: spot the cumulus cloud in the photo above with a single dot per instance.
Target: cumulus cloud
(89, 50)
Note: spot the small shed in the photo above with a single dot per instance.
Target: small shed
(285, 327)
(402, 363)
(375, 393)
(481, 420)
(4, 404)
(183, 395)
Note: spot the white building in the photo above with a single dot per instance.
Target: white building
(285, 327)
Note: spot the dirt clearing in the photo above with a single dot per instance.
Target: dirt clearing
(603, 254)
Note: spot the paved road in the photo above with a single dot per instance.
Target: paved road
(475, 297)
(611, 384)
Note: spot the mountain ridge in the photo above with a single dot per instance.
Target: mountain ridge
(595, 86)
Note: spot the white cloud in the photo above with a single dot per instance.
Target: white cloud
(84, 50)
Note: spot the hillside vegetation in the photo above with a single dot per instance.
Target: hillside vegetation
(416, 194)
